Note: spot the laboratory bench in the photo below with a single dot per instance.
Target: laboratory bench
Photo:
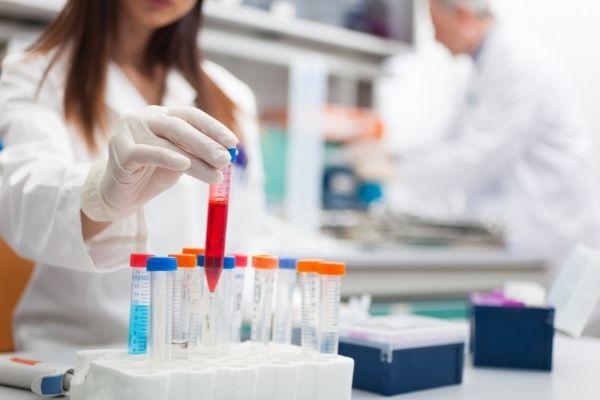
(575, 376)
(432, 272)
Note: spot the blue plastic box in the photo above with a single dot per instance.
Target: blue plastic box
(395, 355)
(512, 337)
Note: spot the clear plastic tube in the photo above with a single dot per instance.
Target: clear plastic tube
(208, 330)
(202, 311)
(284, 296)
(163, 276)
(264, 276)
(309, 291)
(216, 225)
(224, 304)
(139, 314)
(197, 285)
(180, 338)
(237, 295)
(195, 282)
(186, 291)
(185, 304)
(216, 233)
(329, 316)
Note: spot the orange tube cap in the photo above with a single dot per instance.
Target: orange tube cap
(309, 266)
(264, 261)
(193, 250)
(332, 268)
(185, 260)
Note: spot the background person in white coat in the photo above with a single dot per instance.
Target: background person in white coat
(90, 172)
(517, 152)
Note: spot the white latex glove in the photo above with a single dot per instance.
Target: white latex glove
(148, 153)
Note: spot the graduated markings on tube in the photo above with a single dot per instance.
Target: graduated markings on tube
(238, 302)
(207, 320)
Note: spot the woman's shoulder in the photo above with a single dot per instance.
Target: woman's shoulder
(34, 62)
(237, 90)
(29, 73)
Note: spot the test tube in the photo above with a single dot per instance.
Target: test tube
(203, 292)
(216, 232)
(162, 271)
(139, 311)
(241, 262)
(216, 225)
(264, 276)
(331, 283)
(308, 280)
(186, 304)
(284, 297)
(198, 252)
(225, 303)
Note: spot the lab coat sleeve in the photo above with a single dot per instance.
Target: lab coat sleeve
(488, 135)
(40, 180)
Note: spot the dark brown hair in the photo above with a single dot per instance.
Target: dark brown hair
(89, 28)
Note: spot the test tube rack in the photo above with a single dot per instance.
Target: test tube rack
(252, 371)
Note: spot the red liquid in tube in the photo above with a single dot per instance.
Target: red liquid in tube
(216, 229)
(215, 241)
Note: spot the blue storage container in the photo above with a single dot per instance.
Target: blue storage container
(512, 337)
(394, 355)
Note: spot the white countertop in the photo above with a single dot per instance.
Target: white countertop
(575, 376)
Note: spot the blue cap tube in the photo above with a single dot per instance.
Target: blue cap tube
(155, 264)
(229, 262)
(288, 263)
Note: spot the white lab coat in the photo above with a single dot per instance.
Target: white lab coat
(517, 153)
(79, 292)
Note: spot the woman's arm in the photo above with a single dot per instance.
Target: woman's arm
(488, 137)
(41, 182)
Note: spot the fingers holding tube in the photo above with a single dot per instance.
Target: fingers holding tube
(198, 168)
(204, 172)
(143, 154)
(206, 124)
(188, 138)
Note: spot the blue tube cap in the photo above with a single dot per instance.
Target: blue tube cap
(229, 262)
(200, 260)
(233, 152)
(156, 264)
(288, 263)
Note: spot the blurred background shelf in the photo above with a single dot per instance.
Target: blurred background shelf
(429, 272)
(33, 10)
(255, 34)
(301, 32)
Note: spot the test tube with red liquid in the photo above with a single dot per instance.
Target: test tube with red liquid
(216, 231)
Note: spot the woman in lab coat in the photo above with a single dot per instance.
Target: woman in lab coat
(91, 173)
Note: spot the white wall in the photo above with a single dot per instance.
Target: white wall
(572, 29)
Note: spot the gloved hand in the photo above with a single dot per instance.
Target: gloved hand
(148, 153)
